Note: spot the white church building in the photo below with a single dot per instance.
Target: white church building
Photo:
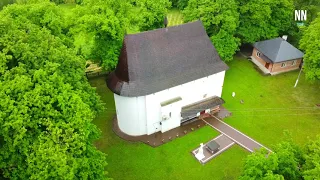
(165, 77)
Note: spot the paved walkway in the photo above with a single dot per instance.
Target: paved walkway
(224, 142)
(235, 135)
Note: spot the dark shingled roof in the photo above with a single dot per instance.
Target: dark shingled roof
(156, 60)
(278, 50)
(192, 109)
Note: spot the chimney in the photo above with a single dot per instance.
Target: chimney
(285, 37)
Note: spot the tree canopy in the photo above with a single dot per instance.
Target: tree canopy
(98, 29)
(181, 4)
(311, 167)
(47, 105)
(227, 22)
(312, 7)
(152, 13)
(289, 161)
(262, 19)
(310, 43)
(221, 19)
(100, 26)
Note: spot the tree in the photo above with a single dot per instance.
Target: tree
(100, 26)
(152, 13)
(262, 19)
(174, 3)
(310, 43)
(46, 15)
(221, 19)
(288, 161)
(260, 165)
(5, 2)
(47, 105)
(182, 4)
(311, 168)
(98, 29)
(284, 163)
(312, 7)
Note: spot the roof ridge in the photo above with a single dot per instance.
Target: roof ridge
(279, 48)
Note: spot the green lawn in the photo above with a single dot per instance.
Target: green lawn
(271, 105)
(128, 160)
(174, 17)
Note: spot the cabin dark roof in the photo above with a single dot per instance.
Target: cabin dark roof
(156, 60)
(278, 50)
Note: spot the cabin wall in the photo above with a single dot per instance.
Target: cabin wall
(288, 66)
(254, 54)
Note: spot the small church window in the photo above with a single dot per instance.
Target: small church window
(294, 62)
(169, 114)
(283, 65)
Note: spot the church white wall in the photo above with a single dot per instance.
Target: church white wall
(190, 92)
(142, 115)
(131, 114)
(174, 121)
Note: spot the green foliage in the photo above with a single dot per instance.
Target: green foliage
(182, 4)
(226, 44)
(99, 28)
(67, 1)
(310, 43)
(260, 165)
(311, 167)
(312, 7)
(174, 3)
(262, 19)
(57, 1)
(5, 2)
(47, 105)
(46, 15)
(221, 19)
(288, 161)
(152, 13)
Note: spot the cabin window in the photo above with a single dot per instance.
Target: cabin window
(258, 54)
(283, 65)
(294, 62)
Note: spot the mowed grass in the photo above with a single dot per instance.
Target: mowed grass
(175, 17)
(133, 160)
(271, 106)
